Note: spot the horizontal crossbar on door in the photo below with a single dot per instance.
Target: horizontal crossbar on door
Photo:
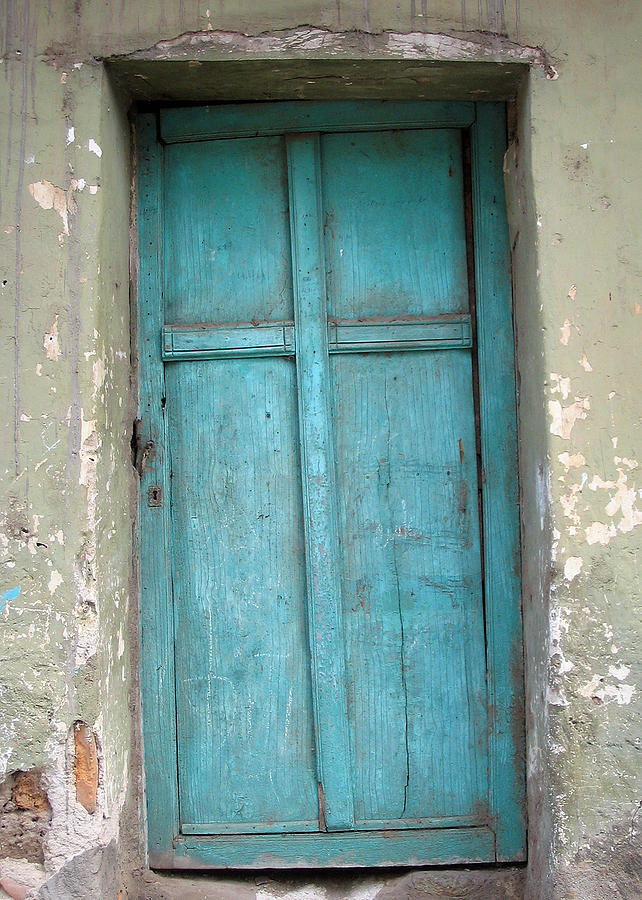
(181, 124)
(353, 336)
(344, 336)
(224, 341)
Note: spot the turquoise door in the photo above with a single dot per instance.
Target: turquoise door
(326, 676)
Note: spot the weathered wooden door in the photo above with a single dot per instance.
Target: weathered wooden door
(330, 606)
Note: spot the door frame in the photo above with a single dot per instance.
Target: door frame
(504, 836)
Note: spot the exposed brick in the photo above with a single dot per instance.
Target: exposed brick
(86, 767)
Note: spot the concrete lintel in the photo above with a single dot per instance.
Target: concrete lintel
(312, 63)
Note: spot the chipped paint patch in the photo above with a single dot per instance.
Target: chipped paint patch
(599, 533)
(564, 417)
(98, 372)
(8, 595)
(565, 332)
(573, 567)
(620, 672)
(626, 461)
(624, 502)
(55, 580)
(50, 342)
(571, 460)
(597, 690)
(50, 196)
(585, 364)
(88, 445)
(93, 147)
(559, 665)
(561, 385)
(556, 696)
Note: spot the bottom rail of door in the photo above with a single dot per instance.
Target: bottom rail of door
(414, 847)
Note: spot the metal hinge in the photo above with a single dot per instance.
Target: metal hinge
(141, 452)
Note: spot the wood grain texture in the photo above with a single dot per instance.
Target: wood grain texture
(156, 606)
(500, 488)
(411, 583)
(249, 119)
(227, 253)
(443, 846)
(394, 224)
(319, 485)
(246, 749)
(225, 342)
(314, 569)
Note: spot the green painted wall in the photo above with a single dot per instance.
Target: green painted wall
(572, 177)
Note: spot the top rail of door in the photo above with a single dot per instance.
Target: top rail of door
(207, 123)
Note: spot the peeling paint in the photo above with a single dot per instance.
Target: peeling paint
(573, 567)
(588, 496)
(556, 696)
(620, 672)
(50, 342)
(55, 580)
(561, 384)
(98, 370)
(571, 460)
(564, 417)
(599, 533)
(9, 594)
(622, 499)
(597, 690)
(89, 443)
(49, 196)
(565, 332)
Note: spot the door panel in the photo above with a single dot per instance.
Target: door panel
(245, 743)
(227, 234)
(411, 583)
(394, 223)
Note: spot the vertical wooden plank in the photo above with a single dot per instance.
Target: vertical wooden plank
(319, 493)
(411, 578)
(243, 693)
(157, 619)
(499, 487)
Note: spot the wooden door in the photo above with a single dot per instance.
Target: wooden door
(330, 606)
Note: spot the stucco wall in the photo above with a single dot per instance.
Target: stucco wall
(65, 523)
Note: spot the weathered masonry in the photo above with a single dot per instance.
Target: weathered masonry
(319, 251)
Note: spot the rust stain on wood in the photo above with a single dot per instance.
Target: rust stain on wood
(322, 823)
